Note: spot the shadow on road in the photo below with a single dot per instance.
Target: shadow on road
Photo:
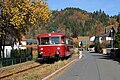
(102, 56)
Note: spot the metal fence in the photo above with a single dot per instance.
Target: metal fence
(7, 62)
(17, 56)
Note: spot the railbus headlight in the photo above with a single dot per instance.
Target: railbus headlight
(57, 52)
(41, 49)
(41, 53)
(58, 48)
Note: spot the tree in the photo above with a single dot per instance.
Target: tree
(117, 38)
(118, 18)
(19, 15)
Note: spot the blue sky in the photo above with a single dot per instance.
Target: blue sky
(111, 7)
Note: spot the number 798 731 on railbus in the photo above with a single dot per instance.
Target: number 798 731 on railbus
(54, 45)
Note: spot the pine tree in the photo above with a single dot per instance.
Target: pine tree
(117, 40)
(118, 18)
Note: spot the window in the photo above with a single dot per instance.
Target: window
(45, 41)
(55, 40)
(69, 42)
(62, 40)
(66, 41)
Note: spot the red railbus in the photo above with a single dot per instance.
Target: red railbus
(54, 45)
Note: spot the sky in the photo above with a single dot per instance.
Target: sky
(110, 7)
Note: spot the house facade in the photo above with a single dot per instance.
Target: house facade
(83, 40)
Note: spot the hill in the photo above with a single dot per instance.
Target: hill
(76, 22)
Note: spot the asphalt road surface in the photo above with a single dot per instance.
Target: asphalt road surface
(92, 66)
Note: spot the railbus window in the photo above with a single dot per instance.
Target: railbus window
(70, 42)
(55, 40)
(62, 40)
(38, 41)
(66, 41)
(45, 41)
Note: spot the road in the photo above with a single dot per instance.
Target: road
(92, 66)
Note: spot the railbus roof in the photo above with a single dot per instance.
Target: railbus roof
(52, 34)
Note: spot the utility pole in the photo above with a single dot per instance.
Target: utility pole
(111, 38)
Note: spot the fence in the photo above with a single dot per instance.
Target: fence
(17, 56)
(7, 62)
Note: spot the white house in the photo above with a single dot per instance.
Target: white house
(7, 49)
(92, 38)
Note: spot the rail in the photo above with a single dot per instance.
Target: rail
(18, 71)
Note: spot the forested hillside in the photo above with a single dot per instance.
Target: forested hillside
(76, 22)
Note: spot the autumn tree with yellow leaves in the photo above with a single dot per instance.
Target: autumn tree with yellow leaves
(18, 15)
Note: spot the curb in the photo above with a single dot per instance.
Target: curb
(80, 54)
(49, 76)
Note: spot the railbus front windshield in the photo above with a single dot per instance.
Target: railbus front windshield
(44, 41)
(54, 40)
(49, 40)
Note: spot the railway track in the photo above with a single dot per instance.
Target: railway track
(4, 75)
(7, 69)
(40, 71)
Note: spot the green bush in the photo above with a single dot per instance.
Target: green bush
(21, 53)
(100, 46)
(76, 44)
